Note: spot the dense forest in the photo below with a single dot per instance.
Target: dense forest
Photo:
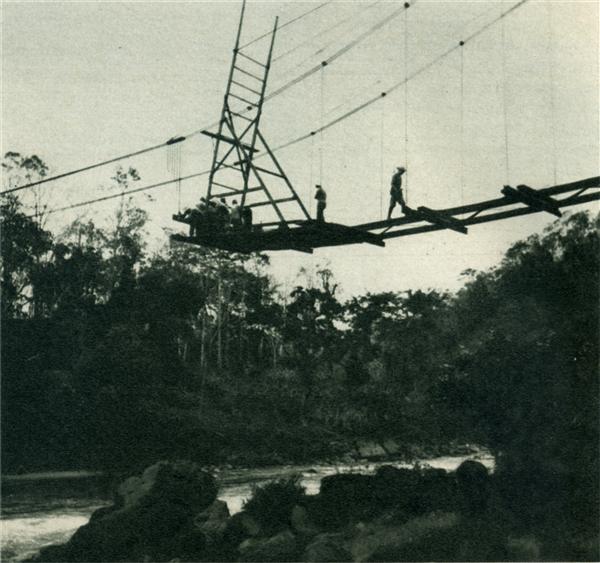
(115, 356)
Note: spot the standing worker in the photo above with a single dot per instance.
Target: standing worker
(236, 215)
(321, 198)
(396, 195)
(223, 214)
(247, 218)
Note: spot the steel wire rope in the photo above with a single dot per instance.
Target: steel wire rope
(180, 138)
(407, 168)
(322, 32)
(332, 123)
(340, 52)
(505, 102)
(400, 83)
(285, 24)
(124, 193)
(552, 91)
(462, 121)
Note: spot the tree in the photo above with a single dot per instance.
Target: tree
(23, 244)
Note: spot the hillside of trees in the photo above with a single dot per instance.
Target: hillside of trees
(115, 356)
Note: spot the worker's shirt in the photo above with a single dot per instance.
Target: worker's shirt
(396, 183)
(321, 196)
(236, 213)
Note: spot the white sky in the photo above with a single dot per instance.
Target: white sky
(86, 81)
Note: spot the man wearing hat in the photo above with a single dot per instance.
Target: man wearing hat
(396, 195)
(321, 198)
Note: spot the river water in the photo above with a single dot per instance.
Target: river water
(45, 509)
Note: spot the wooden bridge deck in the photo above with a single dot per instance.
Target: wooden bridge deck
(303, 237)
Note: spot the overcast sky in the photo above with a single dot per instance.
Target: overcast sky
(86, 81)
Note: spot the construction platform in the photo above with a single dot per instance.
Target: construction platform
(303, 237)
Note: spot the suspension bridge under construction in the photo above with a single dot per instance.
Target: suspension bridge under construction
(245, 166)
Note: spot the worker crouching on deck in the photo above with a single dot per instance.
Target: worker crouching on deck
(396, 195)
(321, 198)
(196, 217)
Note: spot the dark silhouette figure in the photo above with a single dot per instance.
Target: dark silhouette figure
(321, 198)
(396, 195)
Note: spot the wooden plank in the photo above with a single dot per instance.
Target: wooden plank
(243, 71)
(236, 192)
(497, 216)
(587, 183)
(270, 202)
(244, 86)
(228, 140)
(265, 171)
(251, 59)
(440, 219)
(532, 198)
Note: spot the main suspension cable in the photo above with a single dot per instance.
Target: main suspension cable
(399, 84)
(344, 116)
(122, 194)
(285, 24)
(196, 132)
(342, 51)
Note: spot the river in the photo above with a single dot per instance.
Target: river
(45, 509)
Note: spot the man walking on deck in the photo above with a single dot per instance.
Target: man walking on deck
(396, 195)
(321, 198)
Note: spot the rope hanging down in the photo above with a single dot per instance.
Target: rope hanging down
(92, 166)
(552, 89)
(310, 40)
(505, 102)
(196, 132)
(324, 47)
(462, 122)
(339, 52)
(331, 123)
(399, 84)
(406, 166)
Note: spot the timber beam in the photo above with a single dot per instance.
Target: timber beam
(532, 198)
(441, 219)
(229, 140)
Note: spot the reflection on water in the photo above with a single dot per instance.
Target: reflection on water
(44, 511)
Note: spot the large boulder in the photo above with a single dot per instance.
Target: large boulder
(343, 498)
(282, 547)
(212, 522)
(240, 527)
(327, 547)
(301, 523)
(434, 536)
(473, 485)
(153, 517)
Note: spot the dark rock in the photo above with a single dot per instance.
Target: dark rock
(396, 487)
(436, 490)
(212, 522)
(281, 547)
(473, 486)
(153, 517)
(432, 537)
(526, 548)
(240, 527)
(327, 547)
(344, 497)
(370, 450)
(301, 523)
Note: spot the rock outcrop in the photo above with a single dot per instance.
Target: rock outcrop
(152, 518)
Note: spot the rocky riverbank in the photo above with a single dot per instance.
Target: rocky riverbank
(171, 513)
